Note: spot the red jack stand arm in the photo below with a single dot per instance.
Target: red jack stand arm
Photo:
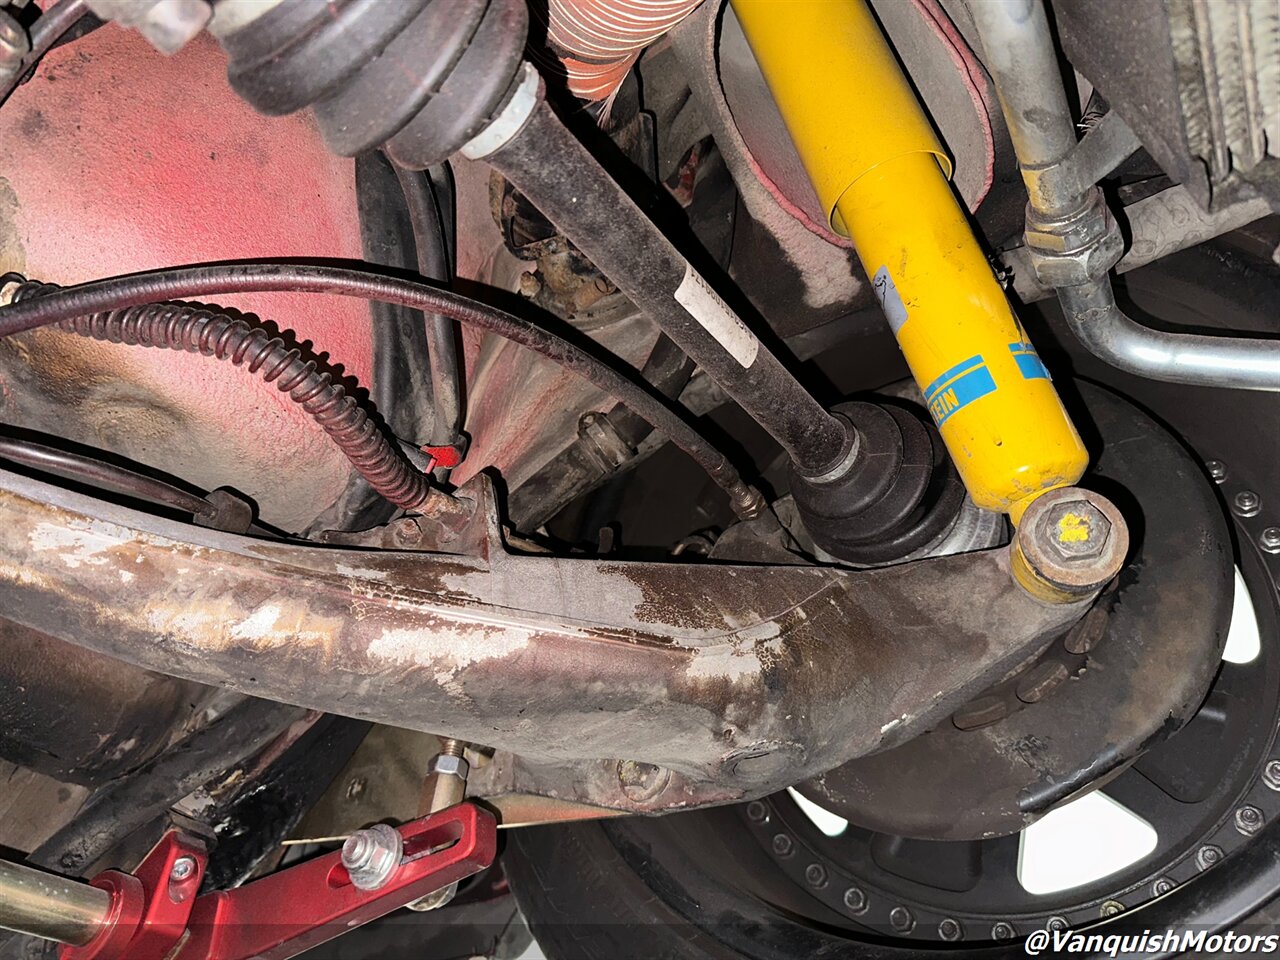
(156, 915)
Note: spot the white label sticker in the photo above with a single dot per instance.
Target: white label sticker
(890, 301)
(705, 306)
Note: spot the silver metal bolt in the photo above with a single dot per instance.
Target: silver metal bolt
(1217, 470)
(372, 855)
(900, 919)
(182, 868)
(1269, 540)
(950, 930)
(1057, 923)
(1271, 775)
(816, 874)
(1002, 931)
(782, 845)
(757, 811)
(1111, 908)
(1208, 855)
(1249, 820)
(1246, 504)
(1162, 886)
(855, 900)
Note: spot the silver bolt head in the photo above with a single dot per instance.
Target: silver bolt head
(1270, 539)
(445, 765)
(1247, 503)
(1002, 931)
(1271, 774)
(372, 855)
(816, 875)
(1217, 470)
(900, 919)
(855, 900)
(1249, 820)
(950, 929)
(1208, 855)
(182, 868)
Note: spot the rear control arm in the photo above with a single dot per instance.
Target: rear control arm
(738, 679)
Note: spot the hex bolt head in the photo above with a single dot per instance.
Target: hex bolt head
(449, 766)
(1057, 923)
(372, 855)
(1002, 931)
(1208, 855)
(1217, 470)
(1076, 530)
(855, 900)
(1271, 775)
(901, 920)
(182, 868)
(1269, 540)
(757, 811)
(782, 845)
(1246, 504)
(816, 875)
(1249, 820)
(1070, 542)
(1111, 908)
(950, 930)
(1162, 886)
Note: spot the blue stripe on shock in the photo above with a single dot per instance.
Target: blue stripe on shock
(1024, 355)
(951, 397)
(947, 376)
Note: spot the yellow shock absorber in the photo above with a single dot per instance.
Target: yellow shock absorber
(882, 175)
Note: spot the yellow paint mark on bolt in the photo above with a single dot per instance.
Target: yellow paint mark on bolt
(1073, 528)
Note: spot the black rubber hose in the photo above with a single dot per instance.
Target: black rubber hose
(193, 328)
(45, 32)
(88, 470)
(442, 335)
(62, 304)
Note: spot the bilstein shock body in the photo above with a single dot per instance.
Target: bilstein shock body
(882, 175)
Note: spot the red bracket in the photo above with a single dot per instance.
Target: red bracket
(444, 455)
(156, 915)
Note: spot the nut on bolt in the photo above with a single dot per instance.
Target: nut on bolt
(1070, 543)
(372, 855)
(444, 765)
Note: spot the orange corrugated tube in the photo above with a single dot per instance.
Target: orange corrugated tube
(598, 41)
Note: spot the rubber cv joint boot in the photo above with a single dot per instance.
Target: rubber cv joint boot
(898, 492)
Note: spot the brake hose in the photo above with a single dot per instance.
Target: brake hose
(35, 305)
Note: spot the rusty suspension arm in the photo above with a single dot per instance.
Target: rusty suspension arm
(738, 679)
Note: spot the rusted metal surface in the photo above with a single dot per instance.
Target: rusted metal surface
(738, 679)
(116, 159)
